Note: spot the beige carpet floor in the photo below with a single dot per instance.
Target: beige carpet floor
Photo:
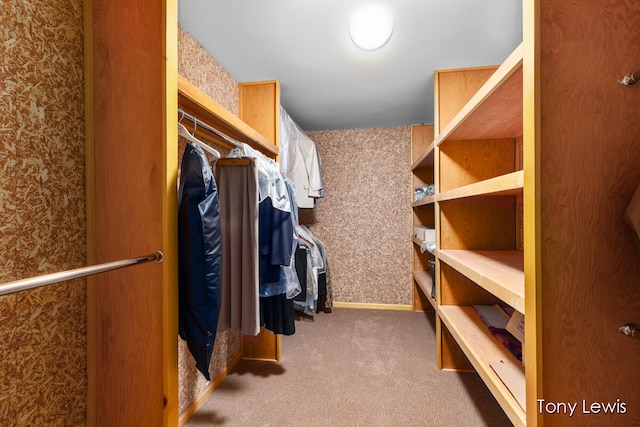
(353, 368)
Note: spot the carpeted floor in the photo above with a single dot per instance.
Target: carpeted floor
(353, 368)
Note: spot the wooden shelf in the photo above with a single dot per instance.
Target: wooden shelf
(424, 281)
(426, 159)
(510, 184)
(423, 159)
(499, 272)
(495, 111)
(481, 348)
(195, 102)
(429, 200)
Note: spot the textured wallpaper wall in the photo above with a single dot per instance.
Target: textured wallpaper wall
(202, 70)
(42, 212)
(365, 217)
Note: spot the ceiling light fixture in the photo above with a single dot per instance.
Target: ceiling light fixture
(371, 27)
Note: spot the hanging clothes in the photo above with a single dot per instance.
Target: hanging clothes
(325, 291)
(275, 242)
(288, 276)
(199, 253)
(238, 187)
(312, 267)
(288, 283)
(300, 162)
(277, 314)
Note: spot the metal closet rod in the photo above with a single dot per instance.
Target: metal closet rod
(196, 121)
(48, 279)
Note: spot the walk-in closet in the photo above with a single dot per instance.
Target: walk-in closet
(188, 239)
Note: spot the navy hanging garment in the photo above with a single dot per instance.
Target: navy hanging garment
(199, 252)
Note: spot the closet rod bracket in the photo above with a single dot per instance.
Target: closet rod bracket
(630, 79)
(159, 256)
(630, 330)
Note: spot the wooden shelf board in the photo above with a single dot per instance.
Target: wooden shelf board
(499, 272)
(195, 102)
(424, 281)
(429, 200)
(495, 111)
(426, 159)
(481, 348)
(511, 184)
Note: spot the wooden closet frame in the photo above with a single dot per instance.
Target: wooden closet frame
(535, 162)
(133, 92)
(131, 87)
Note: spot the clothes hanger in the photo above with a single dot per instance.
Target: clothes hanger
(183, 132)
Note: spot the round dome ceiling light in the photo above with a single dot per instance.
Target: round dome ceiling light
(371, 27)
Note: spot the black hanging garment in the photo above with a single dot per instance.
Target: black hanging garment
(199, 251)
(275, 242)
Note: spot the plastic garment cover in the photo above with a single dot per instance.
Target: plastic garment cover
(289, 283)
(199, 251)
(300, 161)
(275, 239)
(288, 274)
(270, 181)
(313, 268)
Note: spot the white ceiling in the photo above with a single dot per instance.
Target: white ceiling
(326, 81)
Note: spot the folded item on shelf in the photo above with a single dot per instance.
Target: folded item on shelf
(493, 315)
(422, 192)
(424, 233)
(428, 247)
(509, 341)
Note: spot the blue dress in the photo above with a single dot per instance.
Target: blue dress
(199, 253)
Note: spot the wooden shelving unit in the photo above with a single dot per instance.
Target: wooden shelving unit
(425, 159)
(534, 166)
(505, 185)
(501, 273)
(478, 208)
(422, 168)
(424, 281)
(495, 110)
(481, 348)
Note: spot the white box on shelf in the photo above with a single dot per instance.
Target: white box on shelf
(423, 233)
(516, 325)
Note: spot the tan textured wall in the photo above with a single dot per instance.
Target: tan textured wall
(365, 217)
(202, 70)
(42, 212)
